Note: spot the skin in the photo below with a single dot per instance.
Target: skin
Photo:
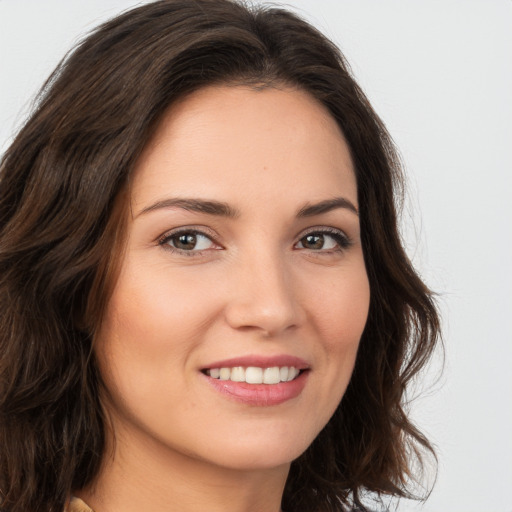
(253, 286)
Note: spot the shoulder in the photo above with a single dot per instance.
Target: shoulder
(77, 505)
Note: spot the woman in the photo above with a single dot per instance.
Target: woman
(204, 297)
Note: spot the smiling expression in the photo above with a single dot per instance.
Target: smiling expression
(233, 327)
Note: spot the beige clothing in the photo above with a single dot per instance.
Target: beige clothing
(77, 505)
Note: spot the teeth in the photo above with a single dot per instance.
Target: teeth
(292, 373)
(237, 374)
(225, 374)
(254, 374)
(271, 375)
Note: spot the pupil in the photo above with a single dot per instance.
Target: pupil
(186, 241)
(315, 241)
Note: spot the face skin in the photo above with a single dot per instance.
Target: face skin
(250, 285)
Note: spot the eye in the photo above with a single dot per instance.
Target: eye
(327, 240)
(190, 241)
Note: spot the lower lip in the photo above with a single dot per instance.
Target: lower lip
(262, 395)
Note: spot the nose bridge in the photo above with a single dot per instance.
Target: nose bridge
(264, 296)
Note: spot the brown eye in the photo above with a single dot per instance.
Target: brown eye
(188, 241)
(313, 241)
(324, 241)
(185, 242)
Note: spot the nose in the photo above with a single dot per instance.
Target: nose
(264, 297)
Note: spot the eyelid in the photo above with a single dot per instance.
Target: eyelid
(344, 240)
(198, 230)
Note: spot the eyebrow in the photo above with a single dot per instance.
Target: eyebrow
(328, 205)
(225, 210)
(194, 205)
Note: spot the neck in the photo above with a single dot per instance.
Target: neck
(150, 476)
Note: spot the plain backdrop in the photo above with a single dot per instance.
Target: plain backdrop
(439, 72)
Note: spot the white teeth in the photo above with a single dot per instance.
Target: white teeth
(292, 373)
(238, 374)
(271, 375)
(225, 373)
(254, 374)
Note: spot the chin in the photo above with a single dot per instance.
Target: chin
(257, 458)
(268, 448)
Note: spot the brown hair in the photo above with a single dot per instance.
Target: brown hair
(61, 194)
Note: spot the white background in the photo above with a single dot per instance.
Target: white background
(439, 72)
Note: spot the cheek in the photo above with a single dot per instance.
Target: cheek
(339, 317)
(150, 307)
(340, 309)
(152, 326)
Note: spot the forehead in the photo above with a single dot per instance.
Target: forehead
(240, 142)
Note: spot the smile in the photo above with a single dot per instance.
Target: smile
(254, 374)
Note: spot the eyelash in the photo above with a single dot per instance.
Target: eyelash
(342, 240)
(166, 238)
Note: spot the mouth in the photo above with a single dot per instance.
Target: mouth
(254, 374)
(258, 380)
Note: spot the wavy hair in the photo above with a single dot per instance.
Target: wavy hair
(63, 188)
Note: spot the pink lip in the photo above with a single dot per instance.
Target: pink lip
(262, 395)
(261, 362)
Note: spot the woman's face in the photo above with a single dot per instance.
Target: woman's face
(243, 266)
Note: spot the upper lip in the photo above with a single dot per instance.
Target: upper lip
(260, 361)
